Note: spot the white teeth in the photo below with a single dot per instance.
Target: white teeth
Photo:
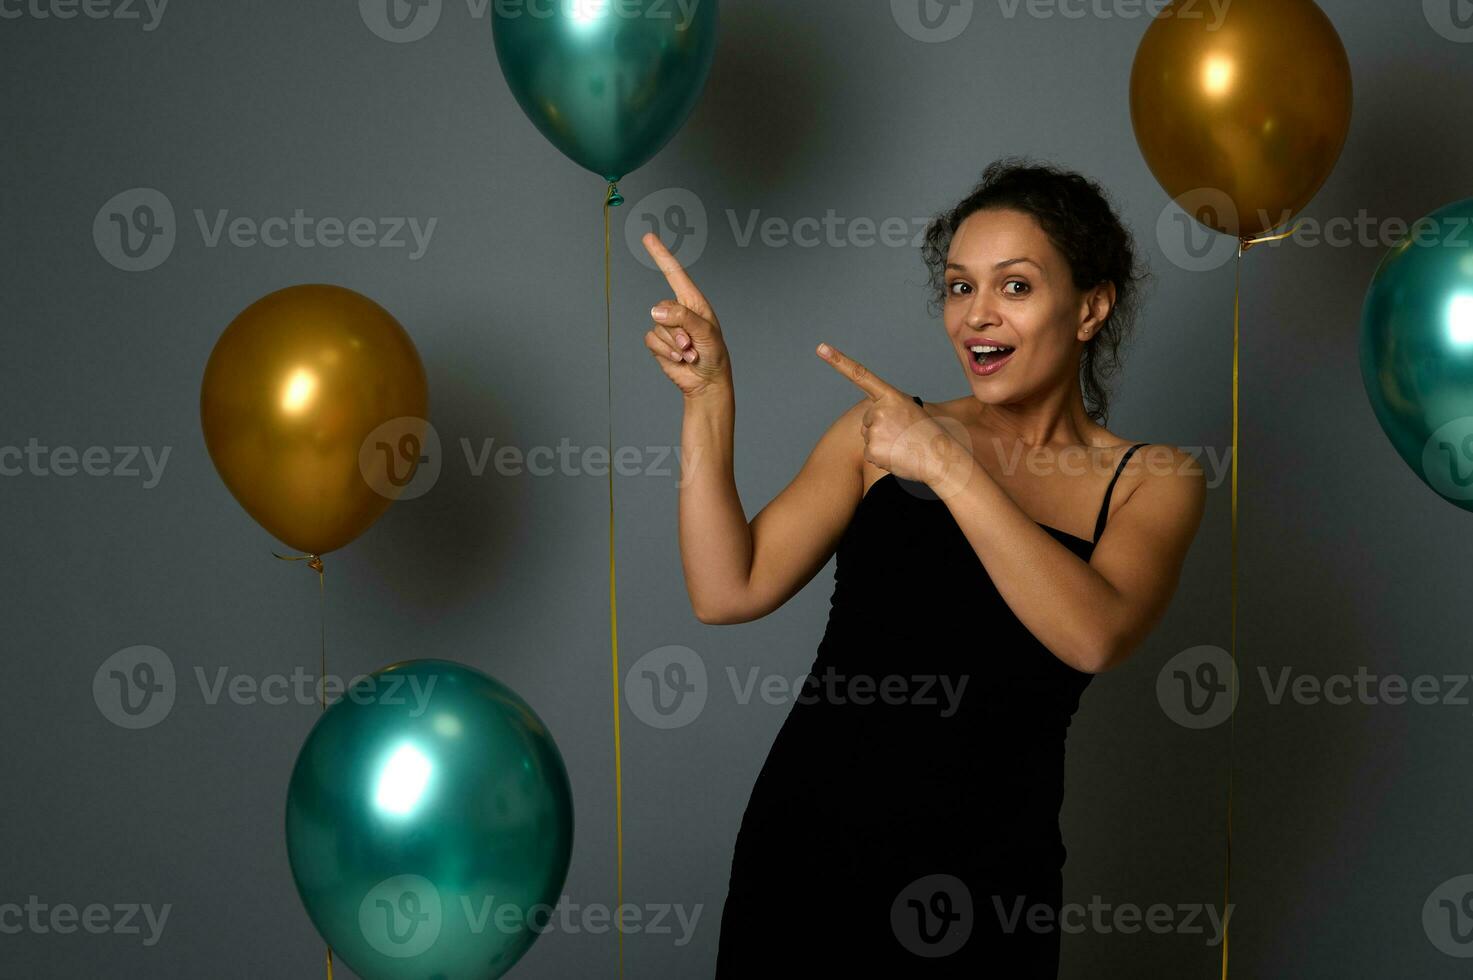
(984, 349)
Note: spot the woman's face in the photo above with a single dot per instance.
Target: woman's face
(1008, 286)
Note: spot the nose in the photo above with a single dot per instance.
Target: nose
(980, 313)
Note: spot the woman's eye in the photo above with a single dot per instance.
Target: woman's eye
(1016, 282)
(959, 288)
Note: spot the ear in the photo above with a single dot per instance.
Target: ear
(1098, 303)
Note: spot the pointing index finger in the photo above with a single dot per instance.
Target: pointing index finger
(680, 282)
(867, 381)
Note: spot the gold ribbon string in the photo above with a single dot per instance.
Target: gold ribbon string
(1244, 244)
(612, 199)
(314, 562)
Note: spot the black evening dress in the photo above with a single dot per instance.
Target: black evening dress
(906, 820)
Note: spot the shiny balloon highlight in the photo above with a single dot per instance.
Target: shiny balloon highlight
(1416, 350)
(1241, 111)
(429, 824)
(301, 392)
(608, 82)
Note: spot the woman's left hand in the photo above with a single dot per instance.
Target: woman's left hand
(899, 435)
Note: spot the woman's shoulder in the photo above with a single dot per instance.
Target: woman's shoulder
(1170, 476)
(1155, 456)
(1151, 458)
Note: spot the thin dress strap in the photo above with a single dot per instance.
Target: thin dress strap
(1109, 491)
(1105, 507)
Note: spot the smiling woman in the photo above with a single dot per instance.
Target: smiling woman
(1080, 247)
(885, 836)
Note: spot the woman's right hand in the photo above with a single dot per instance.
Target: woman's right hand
(686, 336)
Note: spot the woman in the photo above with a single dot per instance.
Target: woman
(995, 551)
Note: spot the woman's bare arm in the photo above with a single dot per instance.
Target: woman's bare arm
(1091, 615)
(736, 572)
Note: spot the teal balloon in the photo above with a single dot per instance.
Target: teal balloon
(1417, 350)
(429, 824)
(608, 82)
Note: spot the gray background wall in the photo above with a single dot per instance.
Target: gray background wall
(1347, 818)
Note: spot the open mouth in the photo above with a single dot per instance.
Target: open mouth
(987, 358)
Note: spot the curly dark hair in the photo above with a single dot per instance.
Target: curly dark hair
(1078, 218)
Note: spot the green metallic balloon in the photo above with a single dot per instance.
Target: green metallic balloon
(608, 82)
(429, 824)
(1417, 350)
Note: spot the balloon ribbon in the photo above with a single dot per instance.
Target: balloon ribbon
(1244, 244)
(314, 562)
(614, 199)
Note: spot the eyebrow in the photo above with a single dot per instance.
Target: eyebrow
(1003, 264)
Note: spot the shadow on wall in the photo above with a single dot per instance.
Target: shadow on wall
(760, 120)
(439, 551)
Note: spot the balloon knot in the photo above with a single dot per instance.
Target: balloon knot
(314, 562)
(615, 198)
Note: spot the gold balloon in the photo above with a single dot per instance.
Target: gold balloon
(1241, 115)
(293, 390)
